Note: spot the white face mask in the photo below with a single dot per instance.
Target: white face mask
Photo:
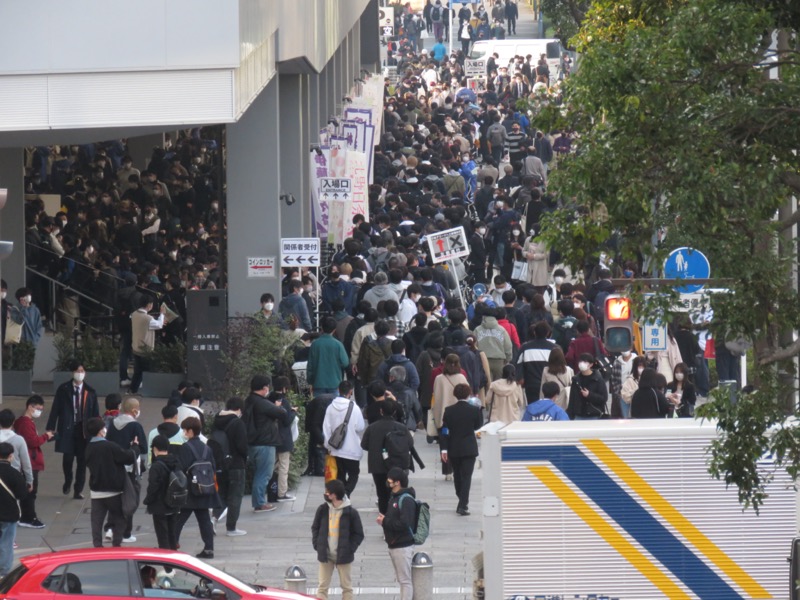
(678, 376)
(37, 412)
(584, 366)
(78, 377)
(28, 298)
(640, 370)
(268, 305)
(559, 280)
(309, 288)
(3, 295)
(481, 231)
(516, 232)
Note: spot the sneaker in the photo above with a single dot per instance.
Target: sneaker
(109, 534)
(129, 540)
(235, 533)
(124, 383)
(33, 524)
(222, 515)
(286, 498)
(448, 477)
(205, 554)
(265, 508)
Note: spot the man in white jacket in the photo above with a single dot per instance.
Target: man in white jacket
(348, 455)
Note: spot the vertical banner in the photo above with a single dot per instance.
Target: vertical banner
(338, 157)
(318, 168)
(357, 172)
(335, 194)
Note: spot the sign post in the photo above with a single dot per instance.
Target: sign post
(302, 252)
(687, 263)
(446, 246)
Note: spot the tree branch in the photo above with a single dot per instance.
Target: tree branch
(791, 179)
(789, 351)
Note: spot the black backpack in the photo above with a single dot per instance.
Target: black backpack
(397, 445)
(177, 493)
(436, 13)
(201, 473)
(565, 334)
(597, 310)
(221, 448)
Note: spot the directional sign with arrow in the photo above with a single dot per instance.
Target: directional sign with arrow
(448, 244)
(300, 252)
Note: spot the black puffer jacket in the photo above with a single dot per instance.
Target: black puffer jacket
(351, 533)
(157, 483)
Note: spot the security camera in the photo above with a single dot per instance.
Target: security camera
(315, 148)
(288, 198)
(347, 99)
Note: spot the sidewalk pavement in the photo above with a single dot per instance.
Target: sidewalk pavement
(282, 538)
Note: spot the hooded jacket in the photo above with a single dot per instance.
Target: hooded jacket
(124, 429)
(399, 360)
(379, 293)
(157, 483)
(544, 410)
(493, 340)
(347, 537)
(334, 416)
(504, 401)
(21, 460)
(236, 431)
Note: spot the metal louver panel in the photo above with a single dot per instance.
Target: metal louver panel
(579, 525)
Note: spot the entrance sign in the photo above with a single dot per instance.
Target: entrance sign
(449, 244)
(300, 252)
(475, 68)
(687, 263)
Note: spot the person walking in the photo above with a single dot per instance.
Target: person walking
(231, 477)
(14, 490)
(261, 418)
(458, 444)
(505, 401)
(191, 454)
(164, 517)
(106, 462)
(397, 523)
(326, 360)
(26, 428)
(143, 337)
(74, 404)
(283, 452)
(336, 534)
(348, 455)
(372, 442)
(21, 460)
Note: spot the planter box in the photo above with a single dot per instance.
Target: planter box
(103, 382)
(160, 385)
(17, 383)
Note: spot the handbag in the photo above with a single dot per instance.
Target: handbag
(338, 435)
(430, 426)
(520, 270)
(295, 428)
(13, 331)
(601, 362)
(331, 470)
(709, 352)
(130, 499)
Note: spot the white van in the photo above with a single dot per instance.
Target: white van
(508, 49)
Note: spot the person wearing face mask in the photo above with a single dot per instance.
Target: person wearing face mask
(74, 404)
(26, 428)
(620, 371)
(336, 534)
(126, 432)
(27, 314)
(682, 391)
(588, 394)
(478, 254)
(630, 385)
(267, 312)
(231, 478)
(649, 401)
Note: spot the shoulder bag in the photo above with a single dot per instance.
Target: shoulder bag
(336, 440)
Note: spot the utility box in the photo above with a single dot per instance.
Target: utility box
(206, 336)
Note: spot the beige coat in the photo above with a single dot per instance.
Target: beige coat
(564, 381)
(535, 252)
(443, 396)
(505, 401)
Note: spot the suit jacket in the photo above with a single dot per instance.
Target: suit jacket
(61, 419)
(461, 420)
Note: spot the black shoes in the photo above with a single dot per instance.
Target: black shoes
(462, 511)
(77, 496)
(65, 487)
(205, 554)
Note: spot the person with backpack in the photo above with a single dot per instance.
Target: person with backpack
(397, 520)
(157, 499)
(495, 342)
(597, 295)
(458, 444)
(336, 534)
(374, 350)
(342, 429)
(283, 451)
(584, 343)
(228, 443)
(406, 398)
(197, 461)
(398, 359)
(564, 329)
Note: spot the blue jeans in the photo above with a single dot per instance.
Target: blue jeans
(624, 408)
(7, 532)
(263, 459)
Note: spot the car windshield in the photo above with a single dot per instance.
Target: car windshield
(477, 52)
(221, 576)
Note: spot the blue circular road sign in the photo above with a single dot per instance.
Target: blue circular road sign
(687, 263)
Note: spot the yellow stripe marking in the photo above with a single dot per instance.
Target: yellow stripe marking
(674, 517)
(614, 539)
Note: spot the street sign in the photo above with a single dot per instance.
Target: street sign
(337, 192)
(335, 188)
(475, 68)
(654, 337)
(261, 267)
(687, 263)
(300, 252)
(449, 244)
(386, 20)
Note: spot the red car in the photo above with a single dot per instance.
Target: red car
(127, 573)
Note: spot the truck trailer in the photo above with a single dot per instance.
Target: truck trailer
(627, 510)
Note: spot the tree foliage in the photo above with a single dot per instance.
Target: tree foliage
(565, 16)
(688, 126)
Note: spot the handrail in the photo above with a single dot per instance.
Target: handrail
(56, 254)
(69, 288)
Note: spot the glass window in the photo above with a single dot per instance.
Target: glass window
(53, 581)
(161, 580)
(97, 578)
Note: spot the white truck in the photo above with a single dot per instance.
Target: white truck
(625, 510)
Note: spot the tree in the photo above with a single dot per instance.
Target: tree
(565, 16)
(688, 127)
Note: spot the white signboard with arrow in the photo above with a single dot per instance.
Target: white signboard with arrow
(300, 252)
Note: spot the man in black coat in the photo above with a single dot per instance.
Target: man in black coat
(74, 404)
(231, 479)
(349, 535)
(458, 443)
(164, 517)
(315, 416)
(106, 462)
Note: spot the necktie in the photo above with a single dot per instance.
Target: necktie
(77, 403)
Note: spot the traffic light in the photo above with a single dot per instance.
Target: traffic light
(618, 324)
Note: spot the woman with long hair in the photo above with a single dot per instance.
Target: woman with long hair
(505, 401)
(558, 372)
(444, 395)
(649, 402)
(631, 384)
(682, 391)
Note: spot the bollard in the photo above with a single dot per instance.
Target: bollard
(296, 579)
(422, 576)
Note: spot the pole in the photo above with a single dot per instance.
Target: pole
(450, 24)
(458, 283)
